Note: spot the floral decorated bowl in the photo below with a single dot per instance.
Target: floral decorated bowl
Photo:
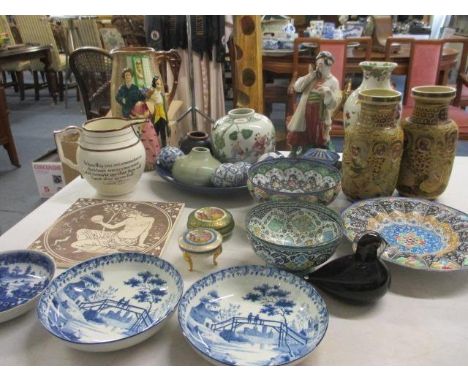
(23, 276)
(253, 315)
(110, 302)
(420, 234)
(297, 179)
(295, 236)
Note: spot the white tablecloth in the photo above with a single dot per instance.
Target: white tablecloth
(422, 320)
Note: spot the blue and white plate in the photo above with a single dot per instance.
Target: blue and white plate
(23, 276)
(111, 302)
(420, 234)
(253, 315)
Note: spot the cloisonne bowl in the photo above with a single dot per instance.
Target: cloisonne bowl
(110, 302)
(294, 179)
(294, 236)
(23, 276)
(420, 234)
(253, 315)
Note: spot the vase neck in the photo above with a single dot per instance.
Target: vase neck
(199, 153)
(372, 82)
(378, 116)
(433, 113)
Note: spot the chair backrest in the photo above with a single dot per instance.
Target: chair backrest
(5, 28)
(86, 33)
(38, 30)
(338, 48)
(424, 62)
(172, 60)
(362, 41)
(92, 68)
(462, 67)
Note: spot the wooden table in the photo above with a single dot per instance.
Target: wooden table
(23, 53)
(420, 321)
(283, 65)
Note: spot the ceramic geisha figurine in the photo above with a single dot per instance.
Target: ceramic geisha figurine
(148, 135)
(156, 97)
(311, 123)
(128, 94)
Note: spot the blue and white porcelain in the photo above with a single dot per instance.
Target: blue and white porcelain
(23, 276)
(253, 315)
(323, 155)
(110, 302)
(420, 234)
(294, 179)
(293, 235)
(271, 155)
(231, 174)
(203, 190)
(168, 156)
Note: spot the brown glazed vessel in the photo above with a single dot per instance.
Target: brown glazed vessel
(430, 143)
(373, 146)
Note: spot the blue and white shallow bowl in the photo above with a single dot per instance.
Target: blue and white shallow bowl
(253, 315)
(111, 302)
(420, 234)
(23, 276)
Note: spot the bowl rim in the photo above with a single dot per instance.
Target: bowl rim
(50, 277)
(330, 167)
(272, 269)
(178, 280)
(333, 215)
(359, 203)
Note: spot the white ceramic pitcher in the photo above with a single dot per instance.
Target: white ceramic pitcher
(109, 155)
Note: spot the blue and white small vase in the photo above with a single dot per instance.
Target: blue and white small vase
(231, 175)
(168, 156)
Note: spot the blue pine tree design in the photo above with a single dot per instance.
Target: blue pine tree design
(274, 302)
(149, 288)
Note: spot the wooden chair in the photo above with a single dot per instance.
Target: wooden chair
(87, 33)
(16, 69)
(6, 138)
(423, 69)
(301, 67)
(461, 99)
(92, 68)
(38, 30)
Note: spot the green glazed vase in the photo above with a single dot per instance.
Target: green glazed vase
(430, 143)
(196, 168)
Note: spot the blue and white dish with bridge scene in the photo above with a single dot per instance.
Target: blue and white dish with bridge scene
(111, 302)
(253, 315)
(23, 276)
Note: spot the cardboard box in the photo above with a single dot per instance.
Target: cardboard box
(48, 173)
(51, 173)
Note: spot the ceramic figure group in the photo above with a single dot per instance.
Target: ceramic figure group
(320, 95)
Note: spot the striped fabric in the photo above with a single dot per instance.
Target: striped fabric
(86, 33)
(37, 30)
(18, 66)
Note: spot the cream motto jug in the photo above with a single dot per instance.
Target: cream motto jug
(109, 154)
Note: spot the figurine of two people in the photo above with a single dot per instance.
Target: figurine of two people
(311, 122)
(144, 103)
(148, 104)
